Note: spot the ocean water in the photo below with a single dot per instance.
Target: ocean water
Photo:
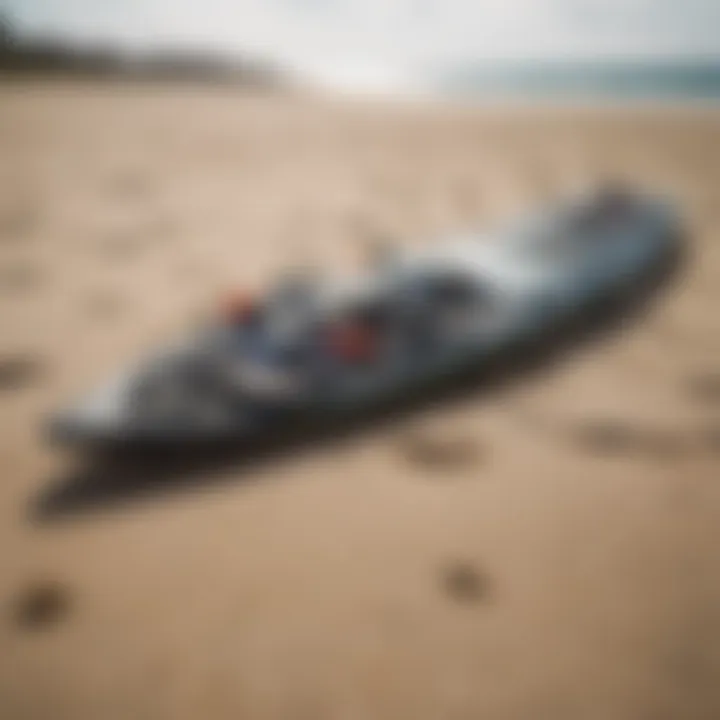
(588, 81)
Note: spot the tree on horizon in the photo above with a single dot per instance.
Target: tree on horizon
(7, 33)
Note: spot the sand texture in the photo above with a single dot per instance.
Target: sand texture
(545, 549)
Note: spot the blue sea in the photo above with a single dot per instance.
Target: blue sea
(661, 81)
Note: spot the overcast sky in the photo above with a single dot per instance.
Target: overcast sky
(377, 42)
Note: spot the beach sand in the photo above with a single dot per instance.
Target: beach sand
(549, 549)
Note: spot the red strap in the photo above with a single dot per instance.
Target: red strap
(353, 342)
(239, 307)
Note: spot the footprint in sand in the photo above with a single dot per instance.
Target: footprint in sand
(705, 387)
(18, 371)
(614, 437)
(607, 437)
(667, 444)
(464, 582)
(18, 223)
(438, 452)
(41, 605)
(710, 437)
(19, 277)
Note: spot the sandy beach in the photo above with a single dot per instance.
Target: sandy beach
(556, 556)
